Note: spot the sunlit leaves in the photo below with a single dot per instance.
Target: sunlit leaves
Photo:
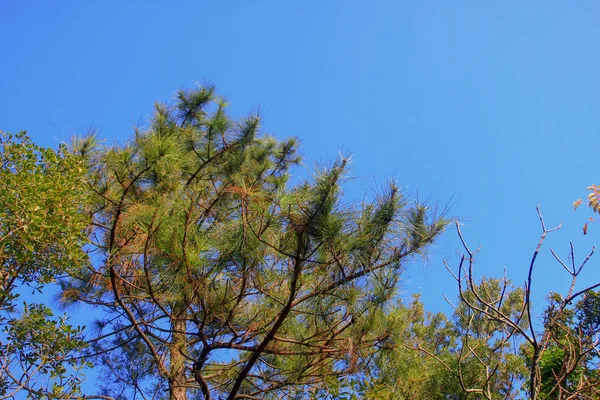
(593, 203)
(42, 221)
(41, 199)
(594, 197)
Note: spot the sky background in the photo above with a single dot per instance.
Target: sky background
(491, 107)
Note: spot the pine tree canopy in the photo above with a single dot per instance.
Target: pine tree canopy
(219, 278)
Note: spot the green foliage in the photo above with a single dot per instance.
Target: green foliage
(41, 222)
(221, 279)
(430, 356)
(569, 363)
(42, 197)
(399, 370)
(497, 351)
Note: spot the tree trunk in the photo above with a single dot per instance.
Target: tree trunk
(177, 379)
(534, 373)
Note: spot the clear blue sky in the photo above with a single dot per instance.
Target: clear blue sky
(494, 104)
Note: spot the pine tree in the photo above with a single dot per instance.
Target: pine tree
(218, 278)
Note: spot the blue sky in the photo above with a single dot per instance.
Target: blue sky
(493, 105)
